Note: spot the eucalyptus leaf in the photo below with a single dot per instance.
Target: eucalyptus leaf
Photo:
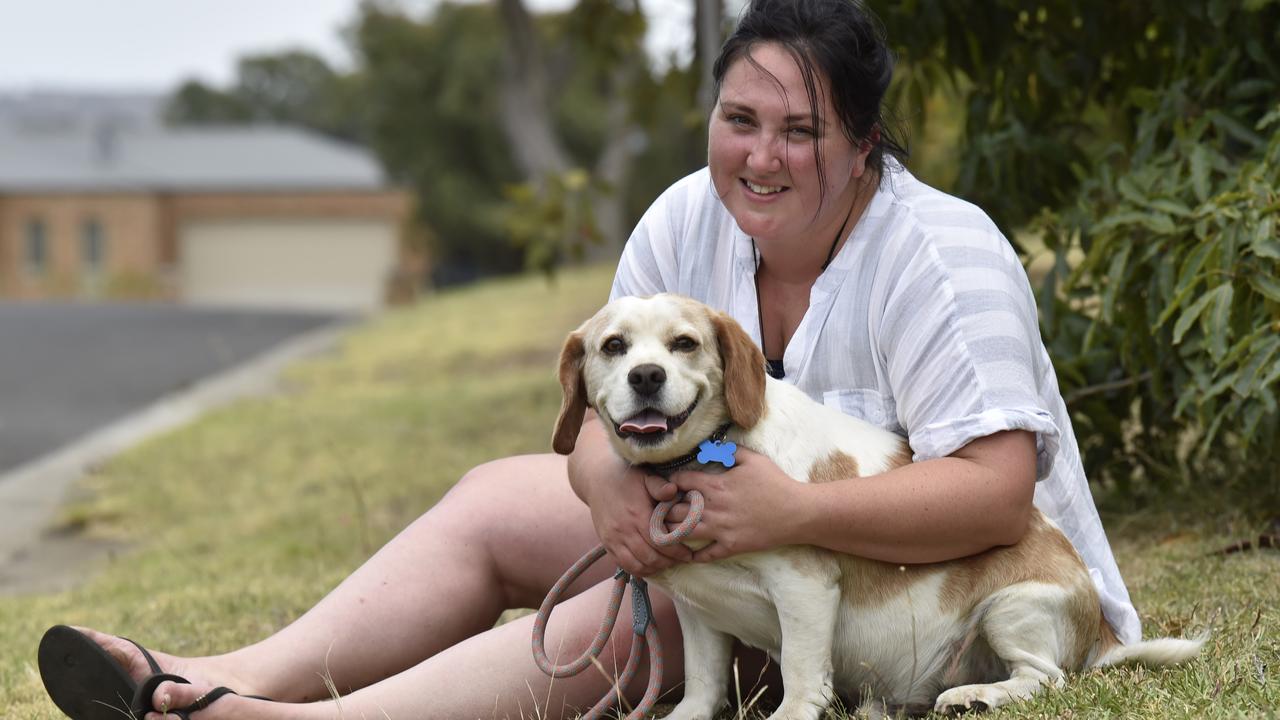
(1267, 285)
(1200, 172)
(1218, 319)
(1192, 314)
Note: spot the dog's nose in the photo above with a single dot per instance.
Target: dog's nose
(646, 379)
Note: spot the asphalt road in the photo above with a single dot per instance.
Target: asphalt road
(66, 369)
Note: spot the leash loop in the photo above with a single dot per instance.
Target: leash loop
(658, 521)
(642, 623)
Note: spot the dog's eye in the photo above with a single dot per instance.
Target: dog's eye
(614, 346)
(684, 343)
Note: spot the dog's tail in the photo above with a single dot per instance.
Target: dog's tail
(1160, 651)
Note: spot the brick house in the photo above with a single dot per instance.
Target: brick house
(240, 216)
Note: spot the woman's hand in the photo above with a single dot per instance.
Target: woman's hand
(747, 506)
(619, 499)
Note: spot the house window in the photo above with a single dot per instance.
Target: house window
(37, 247)
(93, 245)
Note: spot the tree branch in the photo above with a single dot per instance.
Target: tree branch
(1106, 387)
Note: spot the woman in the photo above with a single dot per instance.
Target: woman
(867, 289)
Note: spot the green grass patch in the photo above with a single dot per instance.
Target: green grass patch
(235, 524)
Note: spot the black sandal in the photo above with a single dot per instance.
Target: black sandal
(87, 683)
(83, 679)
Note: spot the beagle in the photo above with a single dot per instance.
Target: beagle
(664, 374)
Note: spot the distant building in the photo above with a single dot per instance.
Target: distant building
(248, 216)
(69, 111)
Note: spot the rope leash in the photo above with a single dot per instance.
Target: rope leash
(643, 626)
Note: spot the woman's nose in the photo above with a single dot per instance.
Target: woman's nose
(765, 154)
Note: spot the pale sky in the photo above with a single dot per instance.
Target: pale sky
(156, 44)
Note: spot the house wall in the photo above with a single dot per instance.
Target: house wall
(143, 230)
(288, 213)
(131, 263)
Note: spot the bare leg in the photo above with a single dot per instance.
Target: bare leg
(414, 628)
(491, 675)
(499, 539)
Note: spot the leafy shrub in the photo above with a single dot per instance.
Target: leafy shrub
(1142, 142)
(1167, 335)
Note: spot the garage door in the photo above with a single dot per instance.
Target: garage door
(319, 264)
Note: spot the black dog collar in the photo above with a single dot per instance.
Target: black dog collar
(714, 441)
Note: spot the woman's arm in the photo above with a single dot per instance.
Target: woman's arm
(619, 502)
(976, 498)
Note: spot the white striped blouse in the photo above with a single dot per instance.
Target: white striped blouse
(924, 323)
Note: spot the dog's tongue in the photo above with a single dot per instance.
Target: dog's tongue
(649, 421)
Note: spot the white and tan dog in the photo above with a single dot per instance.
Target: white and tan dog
(663, 373)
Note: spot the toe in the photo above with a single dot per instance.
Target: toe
(170, 695)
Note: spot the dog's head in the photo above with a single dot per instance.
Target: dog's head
(662, 373)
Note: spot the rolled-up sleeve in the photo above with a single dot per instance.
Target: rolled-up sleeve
(960, 343)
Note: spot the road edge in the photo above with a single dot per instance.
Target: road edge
(32, 494)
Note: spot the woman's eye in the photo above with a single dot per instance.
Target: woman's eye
(802, 132)
(684, 343)
(740, 120)
(614, 346)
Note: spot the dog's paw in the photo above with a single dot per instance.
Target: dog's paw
(971, 698)
(798, 711)
(690, 711)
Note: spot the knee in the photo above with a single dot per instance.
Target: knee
(498, 496)
(483, 485)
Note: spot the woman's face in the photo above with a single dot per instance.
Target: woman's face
(761, 152)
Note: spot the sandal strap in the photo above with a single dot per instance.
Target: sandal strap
(203, 702)
(141, 703)
(155, 666)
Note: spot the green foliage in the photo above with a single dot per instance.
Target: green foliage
(554, 220)
(1179, 286)
(434, 111)
(1142, 141)
(291, 88)
(673, 139)
(426, 96)
(195, 103)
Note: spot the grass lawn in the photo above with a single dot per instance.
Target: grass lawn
(237, 523)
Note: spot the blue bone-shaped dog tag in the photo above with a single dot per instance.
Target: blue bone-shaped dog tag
(713, 451)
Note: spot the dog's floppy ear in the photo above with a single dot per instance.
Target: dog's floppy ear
(743, 371)
(574, 404)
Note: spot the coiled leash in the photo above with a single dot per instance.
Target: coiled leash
(713, 450)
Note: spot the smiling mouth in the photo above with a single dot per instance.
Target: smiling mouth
(762, 190)
(650, 427)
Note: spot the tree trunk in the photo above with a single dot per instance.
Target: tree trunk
(527, 123)
(526, 116)
(614, 165)
(708, 18)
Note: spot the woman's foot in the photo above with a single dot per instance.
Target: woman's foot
(173, 696)
(202, 671)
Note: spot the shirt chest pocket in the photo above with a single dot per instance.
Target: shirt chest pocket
(866, 404)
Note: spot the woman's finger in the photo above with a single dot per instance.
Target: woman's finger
(659, 489)
(714, 551)
(678, 512)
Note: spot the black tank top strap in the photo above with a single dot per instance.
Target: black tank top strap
(774, 368)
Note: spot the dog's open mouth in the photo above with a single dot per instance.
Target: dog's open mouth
(649, 427)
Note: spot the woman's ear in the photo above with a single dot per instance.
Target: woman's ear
(573, 405)
(743, 365)
(865, 146)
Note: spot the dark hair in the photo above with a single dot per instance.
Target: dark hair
(842, 39)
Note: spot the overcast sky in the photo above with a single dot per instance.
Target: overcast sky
(155, 44)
